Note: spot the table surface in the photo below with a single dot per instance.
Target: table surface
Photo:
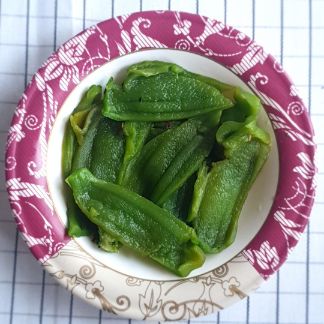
(292, 30)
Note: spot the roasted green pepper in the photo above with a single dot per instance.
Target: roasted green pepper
(147, 140)
(136, 134)
(107, 150)
(137, 222)
(90, 97)
(82, 156)
(178, 203)
(184, 164)
(150, 68)
(78, 225)
(81, 116)
(157, 156)
(101, 151)
(220, 193)
(162, 96)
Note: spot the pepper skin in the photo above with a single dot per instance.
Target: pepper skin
(91, 96)
(136, 134)
(178, 203)
(220, 193)
(78, 224)
(79, 119)
(102, 151)
(137, 222)
(161, 97)
(157, 156)
(185, 164)
(107, 150)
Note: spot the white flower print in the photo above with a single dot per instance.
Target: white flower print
(62, 64)
(267, 257)
(182, 28)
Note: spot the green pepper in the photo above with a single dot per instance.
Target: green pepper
(198, 193)
(107, 150)
(220, 193)
(80, 119)
(161, 97)
(137, 222)
(78, 224)
(157, 156)
(101, 151)
(184, 164)
(244, 102)
(178, 203)
(68, 150)
(149, 68)
(136, 134)
(92, 95)
(107, 242)
(82, 156)
(80, 122)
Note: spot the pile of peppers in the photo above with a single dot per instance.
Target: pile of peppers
(162, 164)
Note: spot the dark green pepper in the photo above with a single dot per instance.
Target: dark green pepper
(136, 134)
(107, 150)
(184, 164)
(150, 68)
(101, 151)
(90, 97)
(78, 224)
(161, 97)
(157, 155)
(82, 156)
(137, 222)
(80, 119)
(178, 203)
(245, 103)
(220, 194)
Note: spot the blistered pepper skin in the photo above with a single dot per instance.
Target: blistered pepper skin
(107, 150)
(219, 194)
(157, 156)
(69, 140)
(101, 151)
(78, 224)
(137, 222)
(161, 97)
(182, 167)
(178, 203)
(222, 195)
(136, 134)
